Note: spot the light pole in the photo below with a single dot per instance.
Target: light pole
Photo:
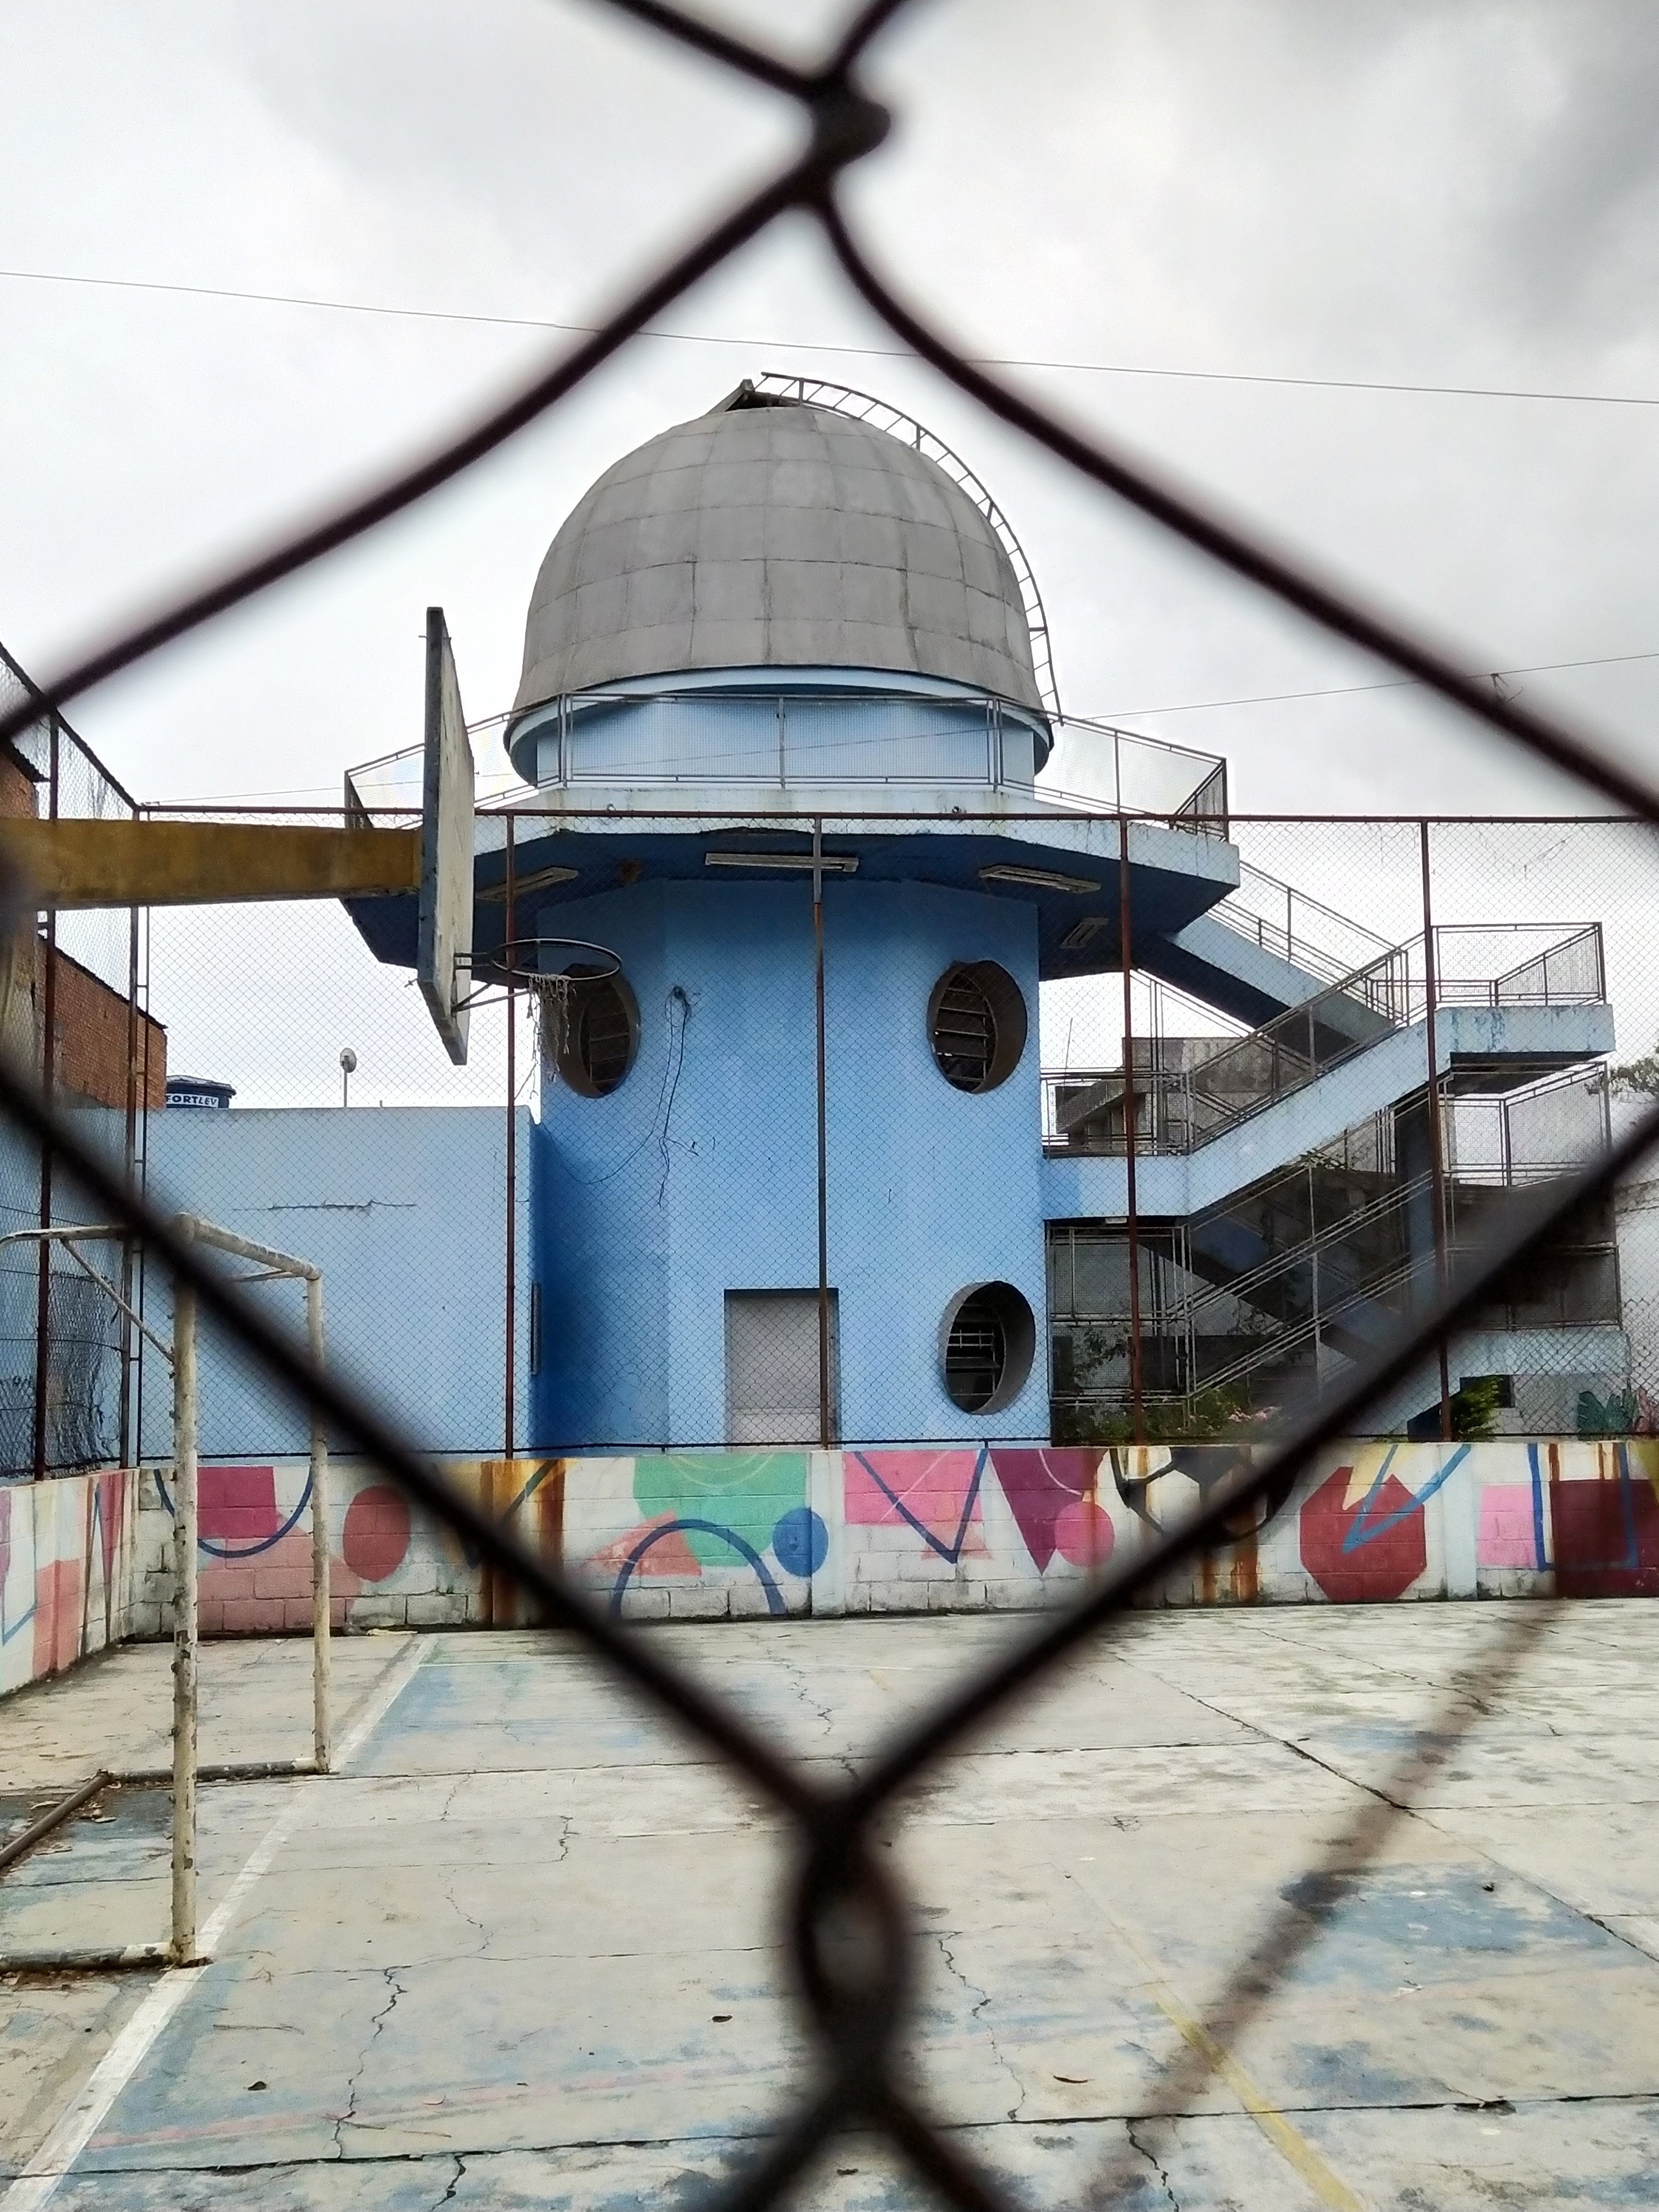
(348, 1068)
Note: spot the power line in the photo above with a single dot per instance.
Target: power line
(1347, 691)
(1191, 707)
(799, 345)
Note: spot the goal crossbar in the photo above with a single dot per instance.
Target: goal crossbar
(181, 1356)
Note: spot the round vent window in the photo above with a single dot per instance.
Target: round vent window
(976, 1025)
(987, 1344)
(593, 1031)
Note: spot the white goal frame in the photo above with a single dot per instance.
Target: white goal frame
(186, 1770)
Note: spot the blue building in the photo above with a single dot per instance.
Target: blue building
(791, 891)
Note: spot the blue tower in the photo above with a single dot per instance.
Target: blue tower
(785, 700)
(781, 710)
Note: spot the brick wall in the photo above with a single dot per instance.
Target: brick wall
(93, 1030)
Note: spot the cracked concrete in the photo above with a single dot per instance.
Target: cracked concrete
(1143, 2149)
(982, 1999)
(1180, 1953)
(377, 2023)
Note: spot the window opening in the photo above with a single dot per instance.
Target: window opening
(989, 1340)
(593, 1031)
(772, 1377)
(976, 1025)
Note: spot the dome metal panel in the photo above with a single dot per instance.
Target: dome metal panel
(773, 536)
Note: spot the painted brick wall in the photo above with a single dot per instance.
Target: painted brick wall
(68, 1571)
(87, 1560)
(701, 1535)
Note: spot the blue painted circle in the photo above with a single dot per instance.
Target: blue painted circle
(801, 1542)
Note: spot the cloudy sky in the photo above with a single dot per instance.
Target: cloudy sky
(1401, 193)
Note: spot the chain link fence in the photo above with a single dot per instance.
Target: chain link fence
(72, 1011)
(1293, 1189)
(1397, 1200)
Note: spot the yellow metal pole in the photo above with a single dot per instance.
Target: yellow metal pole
(76, 864)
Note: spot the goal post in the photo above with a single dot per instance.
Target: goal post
(271, 1263)
(181, 1355)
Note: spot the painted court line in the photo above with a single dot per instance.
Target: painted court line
(382, 1696)
(1298, 2153)
(41, 2178)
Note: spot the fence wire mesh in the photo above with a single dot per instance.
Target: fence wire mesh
(1431, 1210)
(71, 1012)
(1291, 1203)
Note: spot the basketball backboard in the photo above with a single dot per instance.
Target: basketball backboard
(444, 964)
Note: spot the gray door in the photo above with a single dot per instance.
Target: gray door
(772, 1367)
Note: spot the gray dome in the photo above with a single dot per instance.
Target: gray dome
(769, 534)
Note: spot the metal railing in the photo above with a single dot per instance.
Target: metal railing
(1124, 772)
(865, 407)
(1301, 930)
(1188, 1090)
(851, 1935)
(787, 739)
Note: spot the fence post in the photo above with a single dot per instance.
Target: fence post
(322, 1617)
(129, 1352)
(1436, 1147)
(186, 1652)
(826, 1424)
(1137, 1402)
(509, 1349)
(48, 1080)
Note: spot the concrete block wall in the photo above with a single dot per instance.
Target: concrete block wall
(86, 1560)
(980, 1528)
(70, 1580)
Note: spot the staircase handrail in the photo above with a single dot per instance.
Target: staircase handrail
(1297, 1333)
(1282, 938)
(1392, 1200)
(1392, 987)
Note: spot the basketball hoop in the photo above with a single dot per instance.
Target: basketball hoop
(527, 963)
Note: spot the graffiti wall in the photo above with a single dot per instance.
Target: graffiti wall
(66, 1571)
(253, 1539)
(897, 1530)
(690, 1536)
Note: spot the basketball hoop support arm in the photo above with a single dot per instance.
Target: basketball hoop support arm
(76, 865)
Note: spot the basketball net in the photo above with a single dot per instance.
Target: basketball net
(553, 994)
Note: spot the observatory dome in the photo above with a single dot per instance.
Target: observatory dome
(770, 533)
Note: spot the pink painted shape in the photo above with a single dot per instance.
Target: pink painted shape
(1042, 1487)
(57, 1615)
(1084, 1535)
(237, 1505)
(931, 1488)
(1506, 1537)
(671, 1556)
(375, 1539)
(228, 1585)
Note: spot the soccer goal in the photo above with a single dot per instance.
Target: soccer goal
(185, 1771)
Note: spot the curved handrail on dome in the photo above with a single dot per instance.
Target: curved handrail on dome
(864, 407)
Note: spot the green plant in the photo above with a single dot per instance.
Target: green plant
(1209, 1416)
(1638, 1075)
(1474, 1408)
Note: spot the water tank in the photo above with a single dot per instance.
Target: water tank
(199, 1092)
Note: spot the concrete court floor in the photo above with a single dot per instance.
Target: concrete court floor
(1177, 1956)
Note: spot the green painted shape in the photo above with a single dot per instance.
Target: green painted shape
(744, 1492)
